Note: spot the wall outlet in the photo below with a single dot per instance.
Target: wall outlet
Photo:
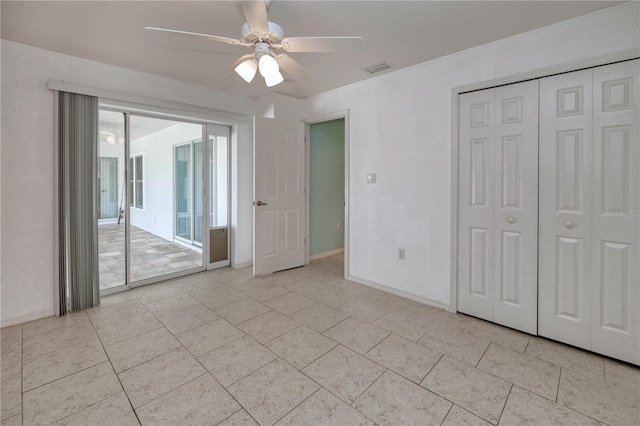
(401, 254)
(339, 226)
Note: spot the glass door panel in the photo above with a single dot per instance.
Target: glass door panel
(111, 200)
(218, 174)
(161, 211)
(182, 171)
(197, 191)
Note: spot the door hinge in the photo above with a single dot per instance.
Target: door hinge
(305, 139)
(305, 189)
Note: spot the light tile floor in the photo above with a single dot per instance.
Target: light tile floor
(151, 256)
(300, 347)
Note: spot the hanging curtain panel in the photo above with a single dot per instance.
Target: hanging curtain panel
(78, 191)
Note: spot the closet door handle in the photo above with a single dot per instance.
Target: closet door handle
(511, 220)
(568, 224)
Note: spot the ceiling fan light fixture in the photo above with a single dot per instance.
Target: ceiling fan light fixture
(268, 66)
(247, 70)
(275, 80)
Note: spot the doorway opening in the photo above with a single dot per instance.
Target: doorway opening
(327, 188)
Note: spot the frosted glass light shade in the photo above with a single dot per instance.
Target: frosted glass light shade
(247, 70)
(275, 80)
(268, 66)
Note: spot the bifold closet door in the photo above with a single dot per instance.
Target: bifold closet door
(589, 210)
(498, 204)
(565, 207)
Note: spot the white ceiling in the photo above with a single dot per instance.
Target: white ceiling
(403, 33)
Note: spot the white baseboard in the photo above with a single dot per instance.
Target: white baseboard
(26, 317)
(402, 293)
(241, 265)
(326, 254)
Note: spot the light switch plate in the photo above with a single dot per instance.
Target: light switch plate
(371, 178)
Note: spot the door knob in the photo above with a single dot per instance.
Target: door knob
(568, 224)
(259, 203)
(511, 220)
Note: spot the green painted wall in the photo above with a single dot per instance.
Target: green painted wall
(326, 186)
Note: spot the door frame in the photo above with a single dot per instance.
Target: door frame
(488, 84)
(344, 114)
(185, 116)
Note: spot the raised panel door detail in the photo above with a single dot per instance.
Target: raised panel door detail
(270, 175)
(291, 137)
(510, 268)
(614, 285)
(480, 114)
(617, 94)
(479, 172)
(291, 171)
(565, 214)
(615, 168)
(511, 170)
(478, 259)
(570, 101)
(291, 226)
(270, 135)
(270, 233)
(568, 277)
(512, 110)
(568, 170)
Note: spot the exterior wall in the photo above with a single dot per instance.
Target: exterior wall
(156, 216)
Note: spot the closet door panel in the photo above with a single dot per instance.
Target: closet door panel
(615, 258)
(564, 252)
(476, 204)
(516, 206)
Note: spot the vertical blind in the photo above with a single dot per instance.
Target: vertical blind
(78, 191)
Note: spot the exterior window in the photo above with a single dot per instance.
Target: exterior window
(136, 187)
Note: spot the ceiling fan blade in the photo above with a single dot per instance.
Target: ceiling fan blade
(256, 14)
(205, 36)
(292, 68)
(323, 44)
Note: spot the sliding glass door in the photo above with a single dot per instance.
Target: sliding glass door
(156, 197)
(111, 200)
(161, 208)
(188, 192)
(218, 173)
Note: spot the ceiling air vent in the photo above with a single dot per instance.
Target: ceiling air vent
(377, 68)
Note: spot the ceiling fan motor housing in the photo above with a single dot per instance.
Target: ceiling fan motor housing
(276, 34)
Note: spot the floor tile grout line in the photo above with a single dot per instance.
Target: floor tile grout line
(483, 354)
(505, 403)
(446, 415)
(328, 390)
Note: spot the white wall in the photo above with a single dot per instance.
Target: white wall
(27, 270)
(401, 129)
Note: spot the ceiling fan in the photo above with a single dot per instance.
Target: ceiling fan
(265, 39)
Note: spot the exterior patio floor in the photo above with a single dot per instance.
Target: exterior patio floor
(151, 256)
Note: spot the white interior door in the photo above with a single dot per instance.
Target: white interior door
(589, 210)
(615, 256)
(497, 258)
(476, 203)
(565, 208)
(278, 195)
(516, 207)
